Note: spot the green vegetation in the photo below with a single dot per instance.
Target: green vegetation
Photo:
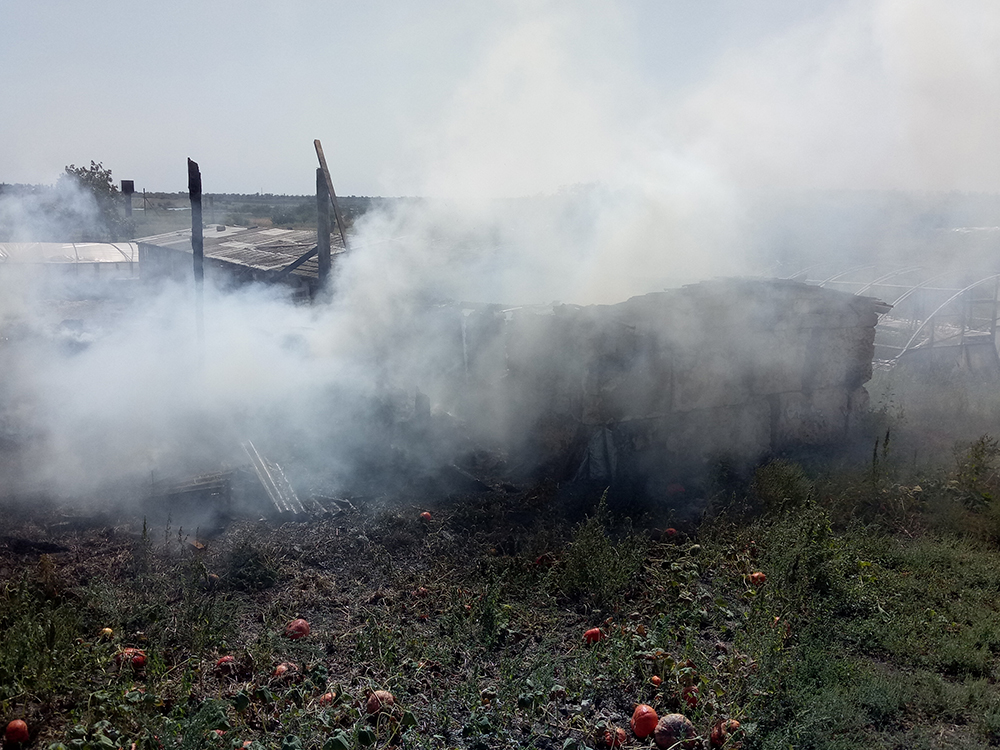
(878, 624)
(874, 632)
(83, 206)
(104, 220)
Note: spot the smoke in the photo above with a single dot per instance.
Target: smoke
(555, 110)
(132, 392)
(630, 188)
(765, 160)
(886, 95)
(64, 212)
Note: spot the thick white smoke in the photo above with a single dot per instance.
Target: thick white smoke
(61, 213)
(889, 95)
(632, 188)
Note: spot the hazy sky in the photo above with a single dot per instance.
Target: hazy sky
(459, 97)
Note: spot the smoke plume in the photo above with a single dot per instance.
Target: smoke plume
(557, 171)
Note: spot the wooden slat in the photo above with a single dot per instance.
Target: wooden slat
(333, 193)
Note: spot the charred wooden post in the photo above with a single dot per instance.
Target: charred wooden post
(197, 234)
(197, 246)
(322, 228)
(128, 188)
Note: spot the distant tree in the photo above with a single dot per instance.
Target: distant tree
(102, 220)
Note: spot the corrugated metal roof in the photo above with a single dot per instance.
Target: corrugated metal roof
(262, 249)
(68, 252)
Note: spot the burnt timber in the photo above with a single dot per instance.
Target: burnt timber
(237, 255)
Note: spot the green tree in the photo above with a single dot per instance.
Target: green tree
(102, 219)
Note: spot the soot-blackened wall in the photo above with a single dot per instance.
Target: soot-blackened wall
(661, 384)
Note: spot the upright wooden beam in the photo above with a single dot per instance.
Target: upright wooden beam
(333, 193)
(197, 233)
(197, 247)
(322, 228)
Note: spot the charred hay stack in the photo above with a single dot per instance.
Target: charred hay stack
(662, 384)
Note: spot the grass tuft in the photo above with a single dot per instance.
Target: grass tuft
(596, 569)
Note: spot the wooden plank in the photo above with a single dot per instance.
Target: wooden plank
(322, 228)
(274, 481)
(296, 263)
(333, 193)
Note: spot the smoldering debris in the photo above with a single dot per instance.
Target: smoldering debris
(207, 501)
(646, 394)
(401, 394)
(659, 386)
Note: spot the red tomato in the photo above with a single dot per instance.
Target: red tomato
(721, 731)
(226, 664)
(690, 695)
(593, 635)
(134, 656)
(644, 720)
(380, 700)
(17, 731)
(297, 629)
(614, 737)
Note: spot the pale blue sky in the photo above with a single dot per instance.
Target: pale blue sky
(504, 98)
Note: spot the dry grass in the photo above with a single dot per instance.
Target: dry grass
(881, 633)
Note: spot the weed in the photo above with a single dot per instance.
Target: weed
(881, 463)
(875, 627)
(142, 555)
(596, 569)
(976, 471)
(39, 652)
(46, 577)
(781, 486)
(250, 566)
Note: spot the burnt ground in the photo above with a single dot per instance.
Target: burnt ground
(880, 634)
(473, 602)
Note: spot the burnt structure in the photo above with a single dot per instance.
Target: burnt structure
(660, 385)
(299, 259)
(237, 255)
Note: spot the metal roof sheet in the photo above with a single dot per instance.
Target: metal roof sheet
(68, 252)
(264, 249)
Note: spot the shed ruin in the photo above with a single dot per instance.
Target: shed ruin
(659, 385)
(240, 255)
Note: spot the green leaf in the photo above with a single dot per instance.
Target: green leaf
(291, 742)
(338, 741)
(367, 737)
